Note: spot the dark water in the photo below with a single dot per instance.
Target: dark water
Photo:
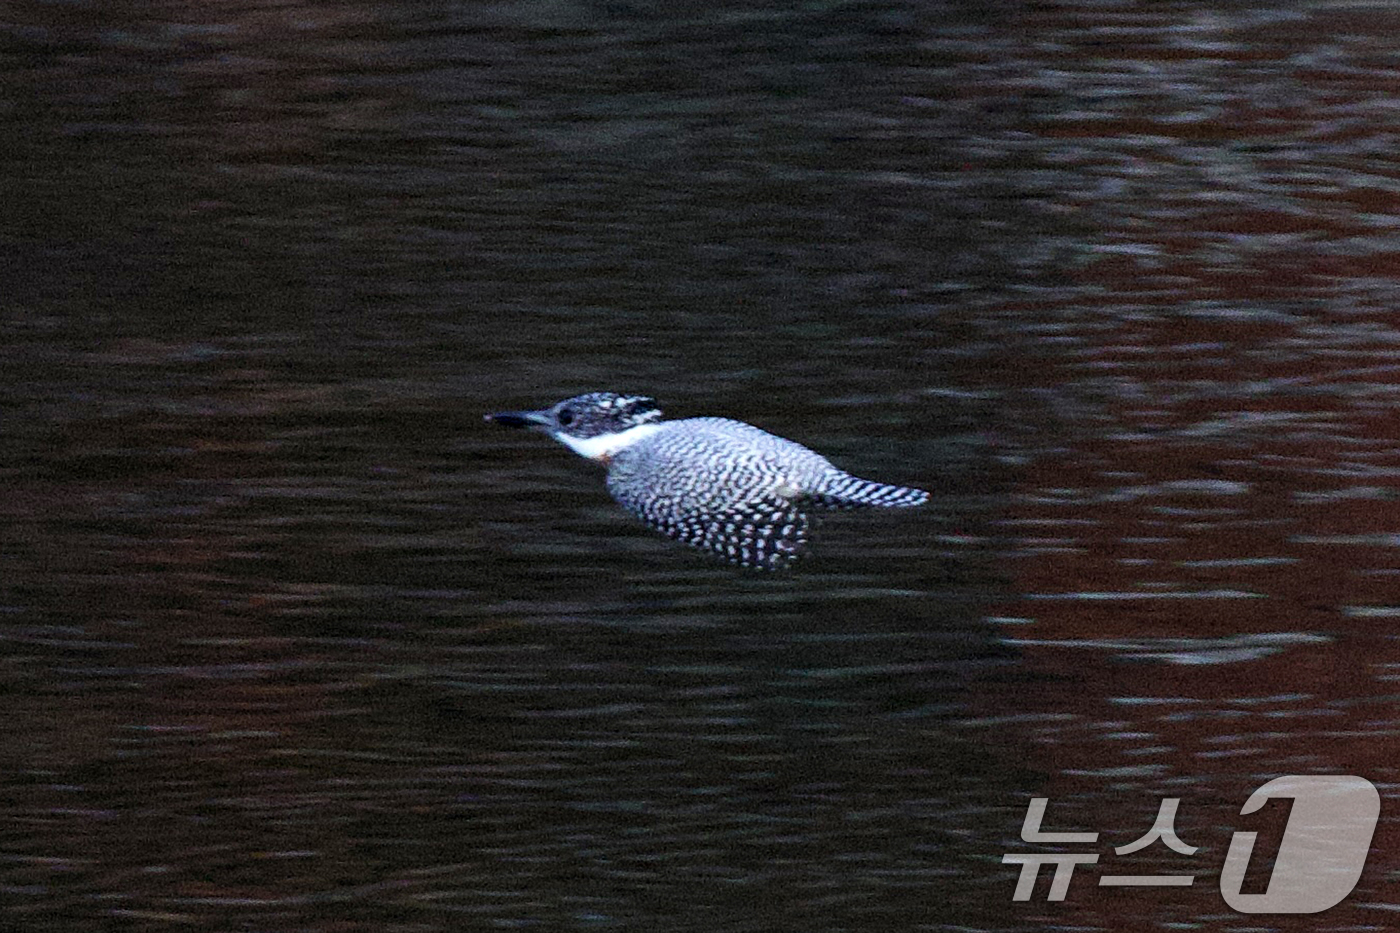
(293, 641)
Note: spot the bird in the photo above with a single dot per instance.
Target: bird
(717, 484)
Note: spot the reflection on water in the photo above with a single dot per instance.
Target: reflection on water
(293, 641)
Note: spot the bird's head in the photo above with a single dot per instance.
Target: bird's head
(595, 425)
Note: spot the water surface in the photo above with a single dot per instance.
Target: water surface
(293, 641)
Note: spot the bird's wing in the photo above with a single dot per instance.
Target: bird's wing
(767, 533)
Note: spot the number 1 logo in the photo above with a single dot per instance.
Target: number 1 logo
(1324, 845)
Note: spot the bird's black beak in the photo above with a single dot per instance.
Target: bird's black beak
(521, 419)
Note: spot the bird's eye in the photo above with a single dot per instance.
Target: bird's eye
(566, 417)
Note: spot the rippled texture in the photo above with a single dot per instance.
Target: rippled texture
(293, 641)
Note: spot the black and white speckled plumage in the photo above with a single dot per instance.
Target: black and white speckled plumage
(713, 483)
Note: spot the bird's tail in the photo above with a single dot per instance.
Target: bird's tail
(846, 492)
